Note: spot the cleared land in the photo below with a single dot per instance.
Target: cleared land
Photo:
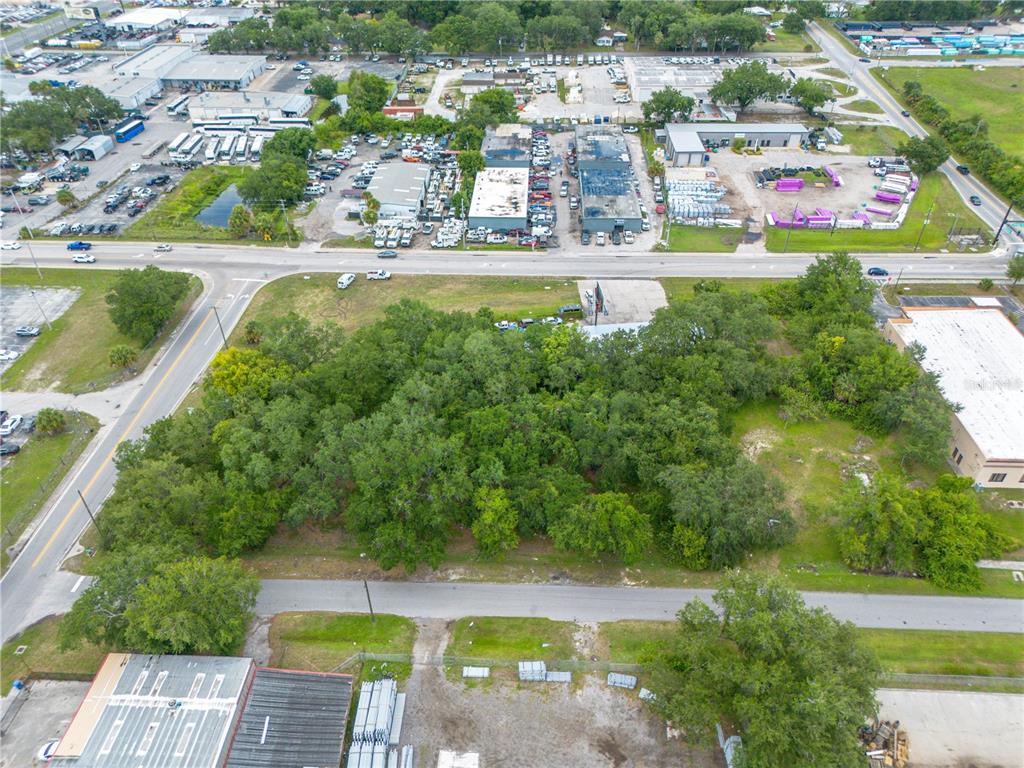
(73, 356)
(947, 653)
(936, 194)
(511, 639)
(35, 472)
(997, 93)
(872, 140)
(704, 239)
(322, 641)
(43, 658)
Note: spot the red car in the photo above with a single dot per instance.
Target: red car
(659, 208)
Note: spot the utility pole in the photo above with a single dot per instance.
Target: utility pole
(34, 262)
(789, 231)
(216, 314)
(1002, 224)
(40, 307)
(369, 602)
(924, 225)
(91, 516)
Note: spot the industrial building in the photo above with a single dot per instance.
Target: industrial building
(147, 19)
(400, 189)
(499, 199)
(132, 92)
(681, 138)
(152, 711)
(94, 148)
(507, 146)
(609, 199)
(215, 105)
(979, 357)
(179, 66)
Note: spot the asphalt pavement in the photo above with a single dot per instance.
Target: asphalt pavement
(434, 600)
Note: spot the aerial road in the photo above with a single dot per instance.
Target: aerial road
(34, 586)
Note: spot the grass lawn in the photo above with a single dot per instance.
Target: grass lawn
(947, 653)
(842, 89)
(627, 641)
(997, 93)
(787, 42)
(174, 216)
(833, 72)
(511, 639)
(563, 92)
(42, 656)
(812, 460)
(682, 287)
(863, 105)
(72, 357)
(322, 641)
(319, 299)
(690, 239)
(935, 194)
(950, 289)
(33, 474)
(872, 139)
(318, 109)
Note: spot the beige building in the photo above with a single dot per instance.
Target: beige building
(979, 357)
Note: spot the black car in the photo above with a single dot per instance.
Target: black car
(964, 170)
(9, 449)
(975, 200)
(878, 272)
(863, 60)
(585, 238)
(616, 238)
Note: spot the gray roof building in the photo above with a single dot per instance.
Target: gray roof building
(609, 201)
(507, 146)
(219, 16)
(681, 138)
(213, 105)
(156, 712)
(601, 146)
(223, 71)
(292, 720)
(400, 188)
(499, 198)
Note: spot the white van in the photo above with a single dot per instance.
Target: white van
(346, 280)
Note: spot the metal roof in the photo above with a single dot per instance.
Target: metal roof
(736, 128)
(292, 720)
(216, 67)
(402, 184)
(608, 194)
(156, 712)
(601, 143)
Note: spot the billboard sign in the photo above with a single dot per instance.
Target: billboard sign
(85, 12)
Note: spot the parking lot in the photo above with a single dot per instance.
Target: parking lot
(45, 714)
(647, 74)
(29, 307)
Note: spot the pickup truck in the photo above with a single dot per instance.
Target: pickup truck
(79, 245)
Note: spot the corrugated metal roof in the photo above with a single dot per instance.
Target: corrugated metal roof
(292, 720)
(156, 712)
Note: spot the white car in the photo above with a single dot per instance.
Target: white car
(600, 238)
(11, 246)
(83, 258)
(378, 274)
(134, 167)
(163, 248)
(303, 77)
(10, 426)
(6, 355)
(628, 237)
(346, 280)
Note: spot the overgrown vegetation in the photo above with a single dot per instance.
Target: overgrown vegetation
(37, 125)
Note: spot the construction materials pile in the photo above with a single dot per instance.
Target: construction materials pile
(885, 745)
(377, 725)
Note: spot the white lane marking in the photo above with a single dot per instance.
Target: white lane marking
(77, 584)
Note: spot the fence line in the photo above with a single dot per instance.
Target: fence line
(578, 665)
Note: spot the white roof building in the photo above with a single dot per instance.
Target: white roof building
(499, 198)
(147, 18)
(979, 356)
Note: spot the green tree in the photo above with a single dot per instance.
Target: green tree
(66, 199)
(291, 142)
(792, 680)
(122, 356)
(281, 178)
(605, 523)
(793, 23)
(809, 93)
(655, 168)
(490, 107)
(246, 373)
(745, 84)
(1015, 268)
(240, 222)
(51, 421)
(367, 92)
(498, 27)
(471, 162)
(881, 525)
(371, 213)
(924, 155)
(195, 605)
(324, 86)
(143, 300)
(811, 9)
(668, 105)
(495, 526)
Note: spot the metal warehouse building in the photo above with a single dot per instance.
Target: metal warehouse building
(180, 66)
(601, 146)
(681, 138)
(979, 356)
(132, 92)
(400, 189)
(214, 105)
(507, 146)
(499, 199)
(609, 200)
(152, 711)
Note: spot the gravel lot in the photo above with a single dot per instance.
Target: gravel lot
(45, 715)
(19, 307)
(540, 725)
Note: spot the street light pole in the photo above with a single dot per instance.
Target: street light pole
(924, 225)
(1002, 224)
(40, 308)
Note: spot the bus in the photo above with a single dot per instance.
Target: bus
(129, 131)
(240, 118)
(178, 105)
(256, 149)
(150, 153)
(180, 139)
(289, 122)
(217, 128)
(188, 150)
(240, 143)
(211, 150)
(227, 148)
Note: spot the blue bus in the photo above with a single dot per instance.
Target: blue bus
(129, 131)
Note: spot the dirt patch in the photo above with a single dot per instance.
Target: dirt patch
(757, 441)
(257, 641)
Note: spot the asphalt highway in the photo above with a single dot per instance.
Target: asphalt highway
(579, 603)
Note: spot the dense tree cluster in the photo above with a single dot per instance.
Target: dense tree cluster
(37, 125)
(668, 105)
(141, 301)
(792, 680)
(711, 26)
(939, 532)
(281, 176)
(969, 138)
(930, 10)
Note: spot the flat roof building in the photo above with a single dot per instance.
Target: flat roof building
(400, 189)
(218, 16)
(144, 19)
(213, 105)
(682, 138)
(132, 92)
(601, 146)
(609, 202)
(152, 711)
(155, 61)
(979, 356)
(180, 66)
(507, 146)
(499, 199)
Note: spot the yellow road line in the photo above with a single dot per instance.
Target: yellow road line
(127, 431)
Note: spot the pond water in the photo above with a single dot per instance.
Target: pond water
(216, 213)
